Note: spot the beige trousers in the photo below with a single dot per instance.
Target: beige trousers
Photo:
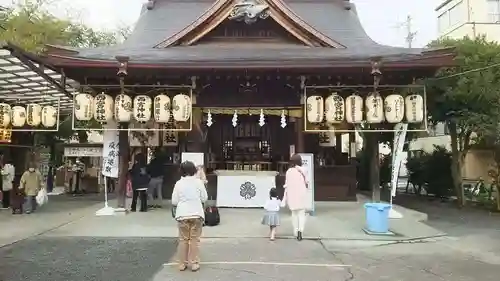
(188, 250)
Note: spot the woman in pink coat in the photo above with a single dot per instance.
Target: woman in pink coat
(296, 194)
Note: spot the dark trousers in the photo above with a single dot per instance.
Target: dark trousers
(143, 196)
(6, 199)
(111, 183)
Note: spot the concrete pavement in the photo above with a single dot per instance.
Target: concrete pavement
(68, 242)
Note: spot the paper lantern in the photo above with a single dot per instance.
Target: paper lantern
(414, 108)
(354, 109)
(18, 116)
(33, 114)
(123, 108)
(315, 109)
(5, 113)
(181, 107)
(374, 108)
(103, 108)
(394, 108)
(83, 107)
(142, 108)
(334, 109)
(162, 108)
(49, 116)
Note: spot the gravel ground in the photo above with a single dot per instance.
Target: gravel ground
(77, 259)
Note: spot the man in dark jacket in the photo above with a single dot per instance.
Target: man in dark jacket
(155, 171)
(140, 180)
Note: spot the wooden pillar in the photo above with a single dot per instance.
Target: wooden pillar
(299, 129)
(124, 150)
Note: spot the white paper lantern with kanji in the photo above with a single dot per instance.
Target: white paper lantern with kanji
(33, 114)
(414, 108)
(49, 116)
(161, 108)
(354, 109)
(123, 108)
(334, 109)
(84, 107)
(315, 109)
(374, 108)
(182, 107)
(103, 108)
(142, 108)
(394, 108)
(18, 116)
(5, 113)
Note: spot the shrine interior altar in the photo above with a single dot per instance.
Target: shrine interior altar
(244, 189)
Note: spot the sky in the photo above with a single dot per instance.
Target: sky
(383, 20)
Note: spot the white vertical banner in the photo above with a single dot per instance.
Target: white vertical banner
(196, 157)
(400, 131)
(110, 151)
(308, 164)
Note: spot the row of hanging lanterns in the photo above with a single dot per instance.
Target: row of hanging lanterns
(393, 109)
(32, 115)
(123, 108)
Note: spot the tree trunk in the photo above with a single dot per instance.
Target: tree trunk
(374, 166)
(457, 160)
(124, 150)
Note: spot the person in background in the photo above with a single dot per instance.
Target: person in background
(295, 196)
(31, 183)
(140, 181)
(200, 173)
(155, 171)
(188, 197)
(8, 174)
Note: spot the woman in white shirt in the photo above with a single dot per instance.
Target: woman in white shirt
(272, 217)
(188, 197)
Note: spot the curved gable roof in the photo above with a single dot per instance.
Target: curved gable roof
(167, 18)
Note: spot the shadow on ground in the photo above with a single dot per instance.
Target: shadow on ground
(85, 259)
(446, 217)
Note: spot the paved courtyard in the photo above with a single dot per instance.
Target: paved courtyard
(67, 242)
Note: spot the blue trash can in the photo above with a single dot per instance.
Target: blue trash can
(377, 217)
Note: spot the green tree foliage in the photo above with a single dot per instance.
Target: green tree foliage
(28, 24)
(466, 100)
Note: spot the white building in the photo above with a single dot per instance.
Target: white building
(457, 19)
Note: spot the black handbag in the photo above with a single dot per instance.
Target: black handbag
(174, 208)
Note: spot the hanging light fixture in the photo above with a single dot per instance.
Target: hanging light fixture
(83, 107)
(334, 109)
(354, 109)
(33, 114)
(414, 105)
(182, 107)
(5, 113)
(315, 109)
(283, 119)
(235, 119)
(142, 108)
(262, 120)
(394, 108)
(49, 116)
(374, 105)
(209, 119)
(123, 108)
(161, 109)
(103, 108)
(18, 116)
